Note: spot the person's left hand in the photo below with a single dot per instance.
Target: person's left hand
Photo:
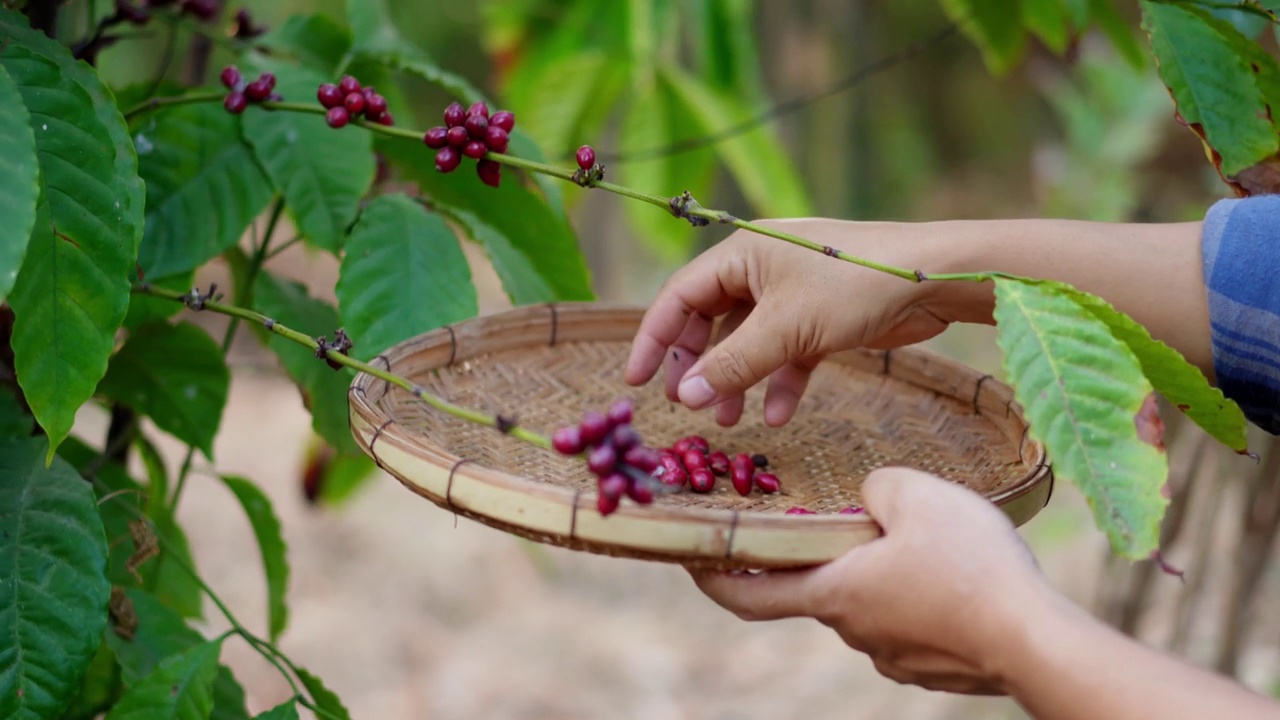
(943, 600)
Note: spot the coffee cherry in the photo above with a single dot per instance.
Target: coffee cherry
(624, 437)
(329, 95)
(602, 459)
(586, 157)
(568, 440)
(231, 77)
(374, 104)
(681, 446)
(852, 510)
(235, 102)
(697, 442)
(384, 119)
(454, 115)
(447, 158)
(719, 463)
(368, 90)
(348, 85)
(759, 460)
(694, 460)
(702, 481)
(607, 505)
(489, 172)
(457, 136)
(642, 459)
(496, 139)
(614, 485)
(594, 427)
(504, 119)
(741, 472)
(799, 511)
(477, 126)
(768, 483)
(675, 478)
(640, 491)
(474, 149)
(436, 138)
(337, 117)
(621, 412)
(354, 102)
(268, 79)
(257, 90)
(479, 108)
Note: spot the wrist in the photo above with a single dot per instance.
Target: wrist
(962, 246)
(1041, 641)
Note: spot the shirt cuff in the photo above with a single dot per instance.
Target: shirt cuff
(1240, 248)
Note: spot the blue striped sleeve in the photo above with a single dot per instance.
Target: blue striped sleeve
(1240, 246)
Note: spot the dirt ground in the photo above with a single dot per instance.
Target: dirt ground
(409, 612)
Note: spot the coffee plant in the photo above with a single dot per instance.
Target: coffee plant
(113, 198)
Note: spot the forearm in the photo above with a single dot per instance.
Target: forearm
(1151, 272)
(1069, 666)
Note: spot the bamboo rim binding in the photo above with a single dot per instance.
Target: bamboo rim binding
(546, 364)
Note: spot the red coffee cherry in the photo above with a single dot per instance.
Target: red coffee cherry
(586, 157)
(602, 459)
(454, 115)
(457, 136)
(348, 85)
(719, 463)
(338, 117)
(231, 77)
(235, 102)
(702, 481)
(436, 138)
(329, 95)
(474, 150)
(594, 427)
(504, 119)
(480, 109)
(496, 139)
(568, 440)
(354, 102)
(768, 483)
(447, 158)
(799, 511)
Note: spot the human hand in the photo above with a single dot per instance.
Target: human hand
(943, 600)
(785, 309)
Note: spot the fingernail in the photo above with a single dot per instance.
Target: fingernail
(696, 392)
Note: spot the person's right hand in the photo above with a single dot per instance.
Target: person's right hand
(785, 308)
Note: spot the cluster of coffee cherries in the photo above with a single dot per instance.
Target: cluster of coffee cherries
(242, 94)
(140, 13)
(472, 132)
(616, 455)
(348, 100)
(690, 461)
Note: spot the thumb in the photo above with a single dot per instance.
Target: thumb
(890, 494)
(746, 356)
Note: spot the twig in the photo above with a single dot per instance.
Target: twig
(498, 422)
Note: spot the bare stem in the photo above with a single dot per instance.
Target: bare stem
(498, 422)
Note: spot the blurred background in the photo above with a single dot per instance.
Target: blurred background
(407, 611)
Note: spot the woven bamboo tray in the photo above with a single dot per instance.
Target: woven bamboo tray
(546, 364)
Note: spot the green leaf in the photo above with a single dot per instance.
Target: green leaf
(145, 309)
(994, 26)
(1108, 19)
(532, 247)
(53, 600)
(19, 181)
(1048, 20)
(344, 475)
(98, 688)
(1082, 390)
(228, 697)
(181, 688)
(157, 474)
(729, 57)
(176, 375)
(204, 187)
(283, 711)
(656, 119)
(173, 584)
(372, 26)
(403, 274)
(323, 697)
(323, 173)
(1169, 372)
(324, 392)
(14, 421)
(73, 290)
(317, 41)
(757, 158)
(584, 86)
(1211, 83)
(275, 563)
(161, 633)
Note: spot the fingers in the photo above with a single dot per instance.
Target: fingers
(710, 286)
(769, 595)
(729, 412)
(786, 386)
(684, 353)
(741, 360)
